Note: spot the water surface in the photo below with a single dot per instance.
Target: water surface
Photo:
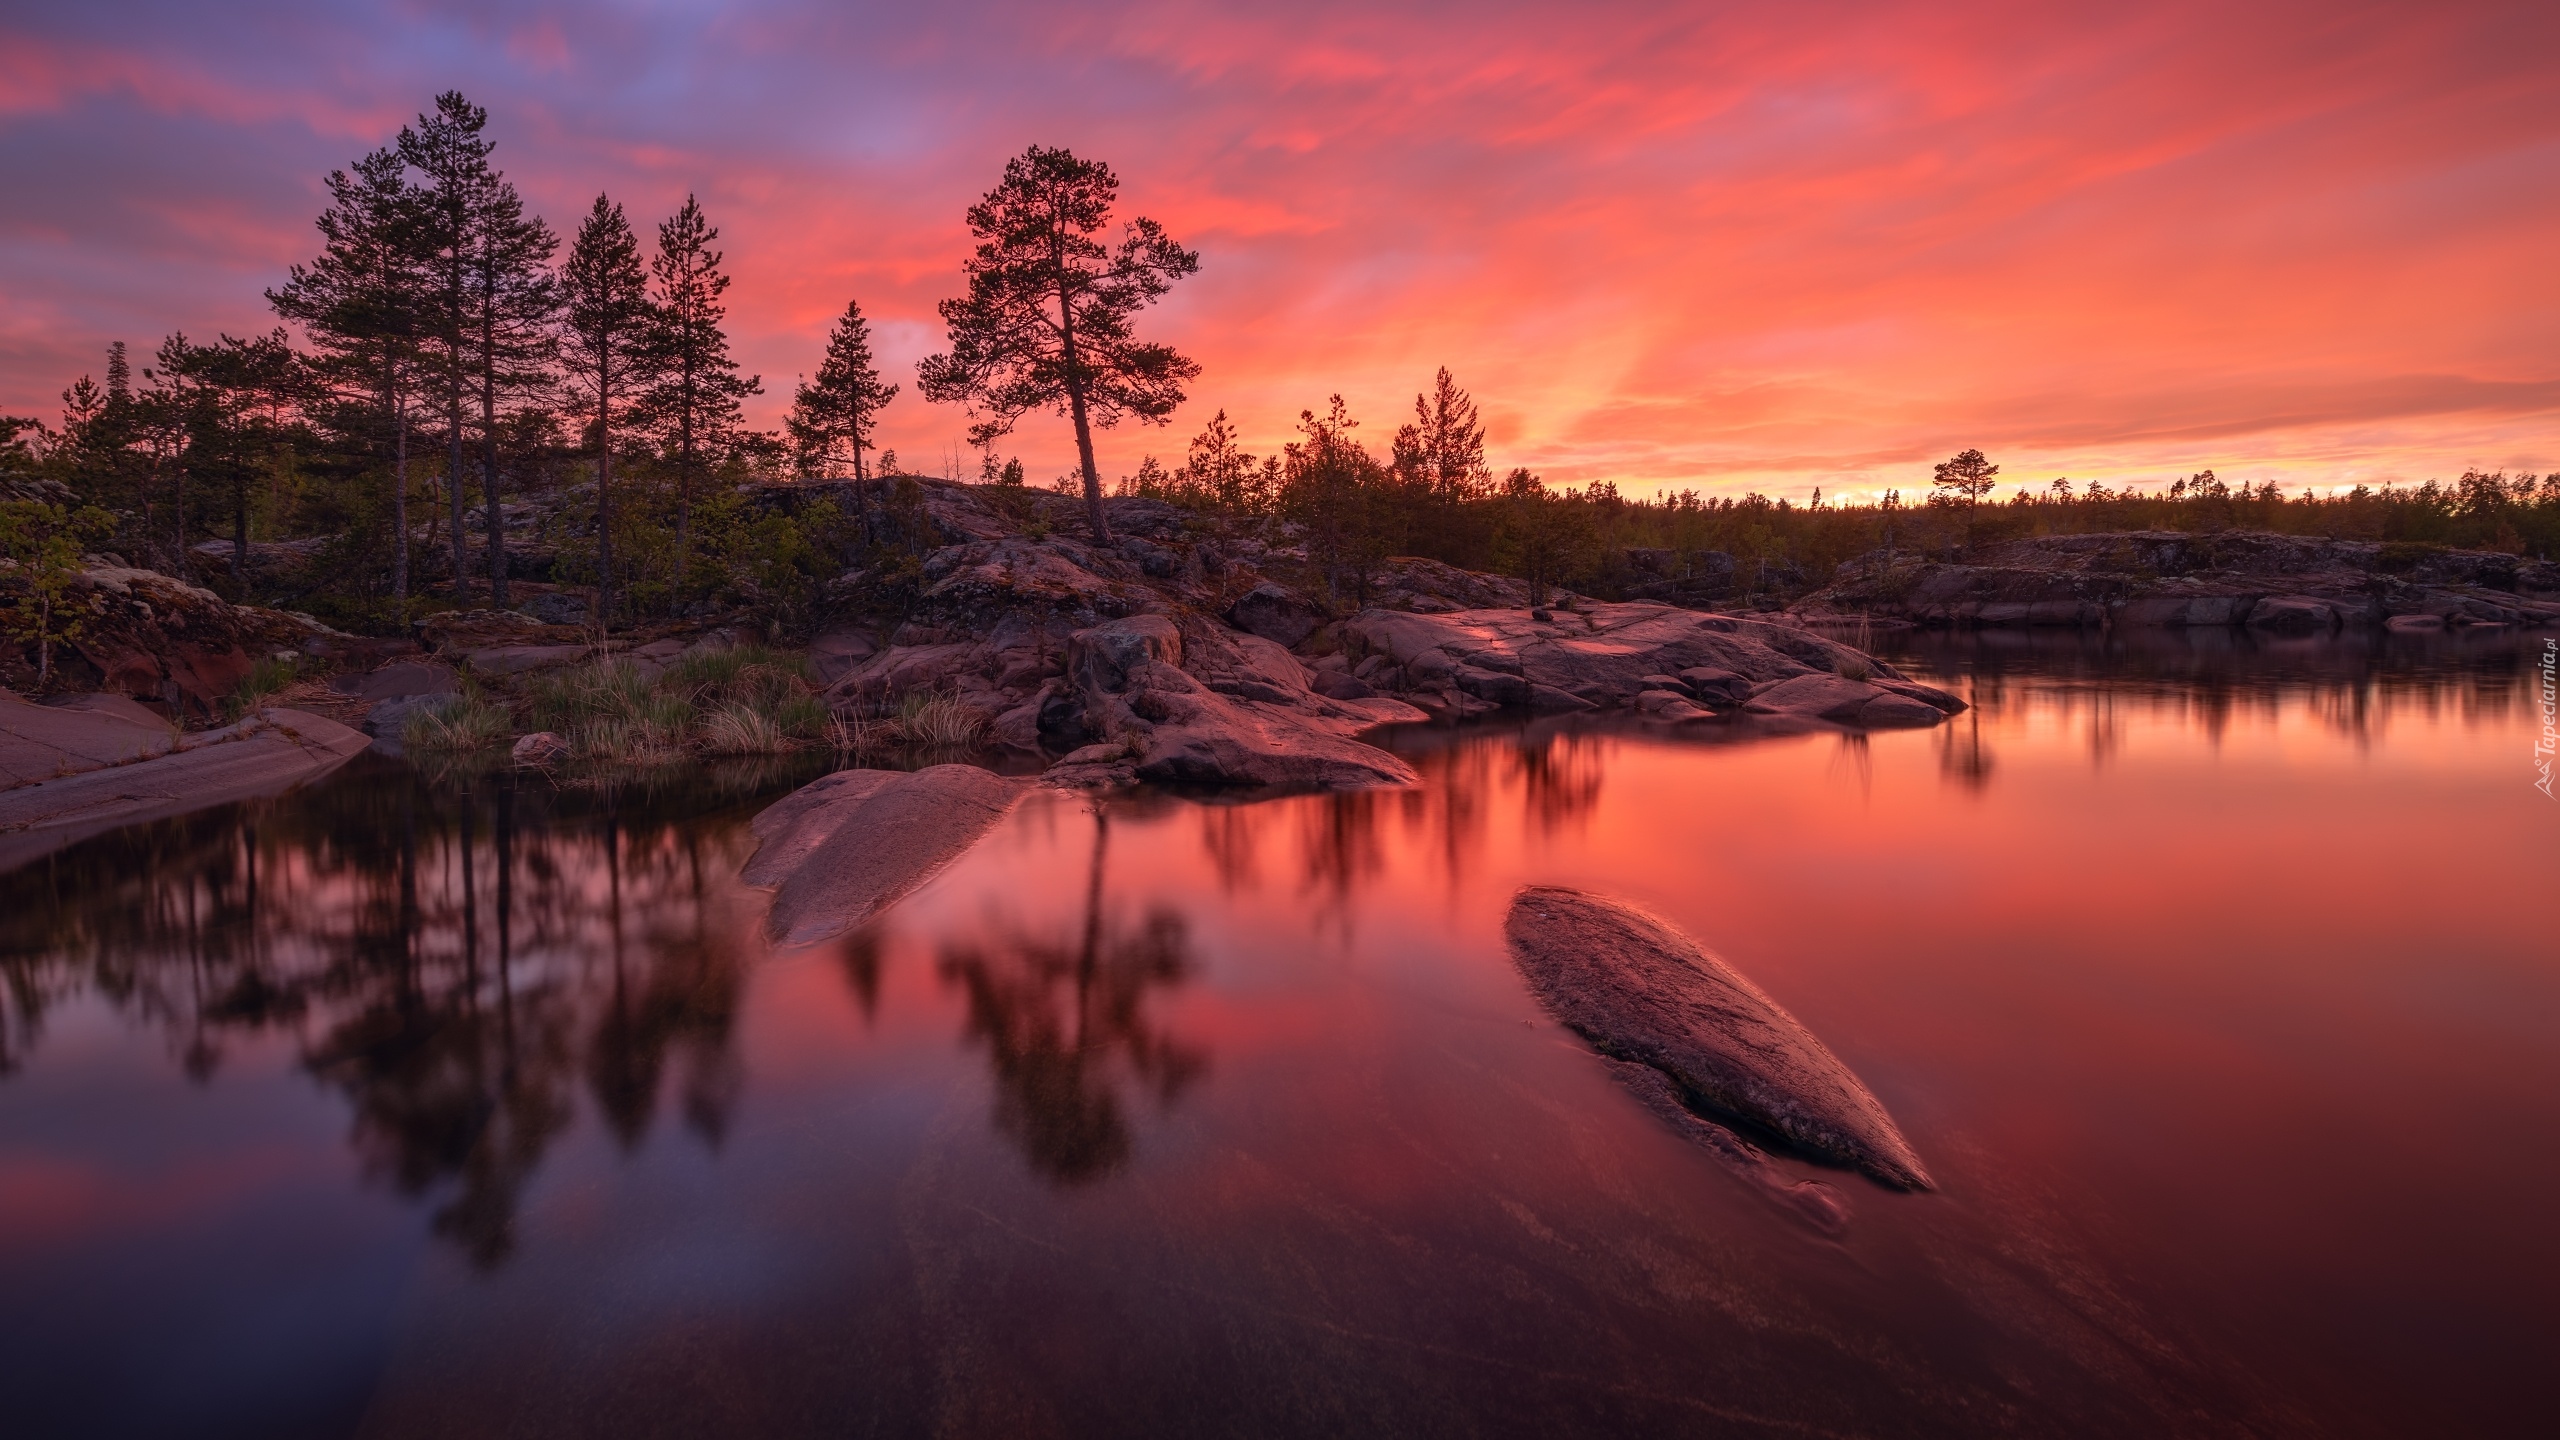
(2214, 981)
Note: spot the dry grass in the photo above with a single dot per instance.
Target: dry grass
(938, 722)
(469, 721)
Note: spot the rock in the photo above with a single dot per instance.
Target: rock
(1277, 614)
(1642, 992)
(557, 607)
(400, 680)
(833, 655)
(1714, 686)
(388, 718)
(881, 840)
(1338, 686)
(265, 754)
(539, 748)
(1840, 700)
(1641, 656)
(2410, 624)
(88, 732)
(1811, 1201)
(1248, 717)
(1667, 705)
(791, 827)
(517, 659)
(2293, 615)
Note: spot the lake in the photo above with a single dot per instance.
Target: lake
(2216, 981)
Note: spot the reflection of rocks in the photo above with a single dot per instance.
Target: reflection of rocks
(1064, 1019)
(846, 847)
(1643, 992)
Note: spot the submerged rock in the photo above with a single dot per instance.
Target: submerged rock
(1645, 993)
(845, 853)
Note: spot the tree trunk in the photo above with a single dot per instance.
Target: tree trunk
(489, 460)
(684, 472)
(1092, 477)
(453, 481)
(1075, 406)
(604, 498)
(399, 493)
(240, 535)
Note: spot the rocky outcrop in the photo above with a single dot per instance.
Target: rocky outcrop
(1642, 992)
(137, 778)
(1655, 660)
(151, 637)
(1247, 717)
(841, 850)
(2278, 584)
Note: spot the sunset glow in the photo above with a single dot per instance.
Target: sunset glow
(1733, 247)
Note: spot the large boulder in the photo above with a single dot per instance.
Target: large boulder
(1641, 657)
(1243, 713)
(846, 853)
(1643, 992)
(1277, 614)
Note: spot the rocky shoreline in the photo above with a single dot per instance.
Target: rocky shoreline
(2275, 584)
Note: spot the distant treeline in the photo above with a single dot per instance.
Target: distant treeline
(447, 363)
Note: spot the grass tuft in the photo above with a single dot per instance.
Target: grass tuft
(467, 722)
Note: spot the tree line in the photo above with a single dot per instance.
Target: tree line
(445, 356)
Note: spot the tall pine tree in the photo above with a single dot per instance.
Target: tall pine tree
(448, 150)
(833, 416)
(695, 402)
(1047, 320)
(360, 302)
(606, 343)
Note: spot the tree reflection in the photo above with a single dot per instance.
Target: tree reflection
(454, 956)
(1064, 1019)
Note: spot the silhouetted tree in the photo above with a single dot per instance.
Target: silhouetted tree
(1968, 475)
(695, 403)
(833, 416)
(359, 303)
(1046, 322)
(606, 343)
(1334, 487)
(446, 147)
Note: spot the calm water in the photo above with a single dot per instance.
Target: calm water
(2218, 986)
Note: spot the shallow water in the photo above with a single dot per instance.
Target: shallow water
(2214, 982)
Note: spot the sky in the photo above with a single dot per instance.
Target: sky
(1722, 247)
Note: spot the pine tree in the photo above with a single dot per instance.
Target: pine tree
(1441, 451)
(446, 147)
(515, 300)
(695, 403)
(607, 344)
(1046, 322)
(360, 302)
(834, 415)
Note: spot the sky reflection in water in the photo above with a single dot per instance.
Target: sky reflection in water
(2210, 980)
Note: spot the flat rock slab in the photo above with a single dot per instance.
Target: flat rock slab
(400, 681)
(1643, 992)
(89, 732)
(264, 755)
(516, 659)
(842, 856)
